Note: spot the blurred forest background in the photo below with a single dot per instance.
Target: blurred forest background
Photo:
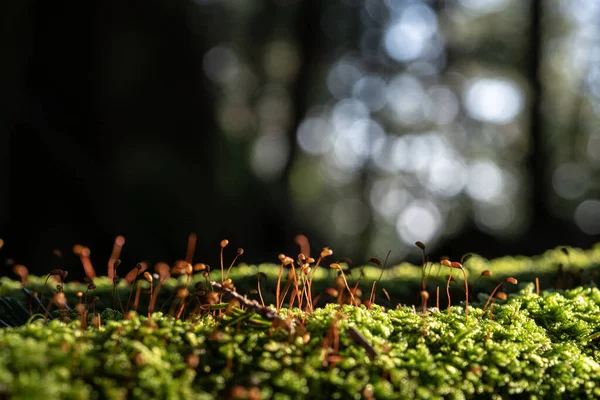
(470, 125)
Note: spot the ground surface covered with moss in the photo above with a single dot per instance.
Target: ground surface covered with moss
(530, 345)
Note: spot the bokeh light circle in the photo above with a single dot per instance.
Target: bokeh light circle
(587, 217)
(419, 221)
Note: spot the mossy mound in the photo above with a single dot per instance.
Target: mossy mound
(560, 268)
(534, 346)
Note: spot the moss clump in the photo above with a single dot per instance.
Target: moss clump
(199, 346)
(537, 346)
(555, 269)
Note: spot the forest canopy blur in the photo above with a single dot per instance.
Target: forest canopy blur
(470, 125)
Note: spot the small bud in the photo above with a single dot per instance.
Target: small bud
(78, 249)
(420, 245)
(192, 361)
(326, 252)
(199, 267)
(501, 296)
(310, 260)
(254, 393)
(228, 285)
(456, 264)
(238, 392)
(512, 280)
(486, 272)
(189, 269)
(148, 276)
(335, 266)
(120, 241)
(240, 251)
(376, 261)
(306, 338)
(301, 257)
(288, 261)
(60, 299)
(224, 243)
(445, 262)
(179, 267)
(424, 295)
(138, 359)
(21, 271)
(212, 297)
(281, 257)
(331, 292)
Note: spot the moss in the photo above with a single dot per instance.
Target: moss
(402, 282)
(537, 346)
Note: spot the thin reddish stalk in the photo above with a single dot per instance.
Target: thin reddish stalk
(278, 288)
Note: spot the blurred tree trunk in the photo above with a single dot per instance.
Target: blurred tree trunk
(113, 133)
(309, 37)
(546, 230)
(15, 45)
(538, 153)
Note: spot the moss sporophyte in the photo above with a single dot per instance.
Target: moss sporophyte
(298, 330)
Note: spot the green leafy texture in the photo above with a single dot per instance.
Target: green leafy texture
(538, 347)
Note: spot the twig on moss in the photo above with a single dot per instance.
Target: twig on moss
(360, 339)
(252, 305)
